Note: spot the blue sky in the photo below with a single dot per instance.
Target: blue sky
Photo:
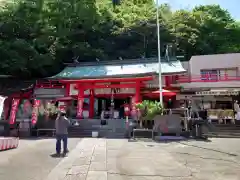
(231, 5)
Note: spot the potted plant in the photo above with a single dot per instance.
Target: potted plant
(147, 110)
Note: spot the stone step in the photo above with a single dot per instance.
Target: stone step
(101, 134)
(226, 130)
(220, 135)
(222, 132)
(226, 126)
(113, 128)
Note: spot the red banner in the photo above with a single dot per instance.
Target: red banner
(15, 103)
(36, 104)
(80, 107)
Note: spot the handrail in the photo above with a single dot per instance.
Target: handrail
(206, 78)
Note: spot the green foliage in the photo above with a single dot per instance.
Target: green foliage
(37, 37)
(149, 109)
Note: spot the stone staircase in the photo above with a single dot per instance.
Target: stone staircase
(115, 128)
(224, 131)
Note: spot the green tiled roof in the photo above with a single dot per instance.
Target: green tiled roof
(96, 71)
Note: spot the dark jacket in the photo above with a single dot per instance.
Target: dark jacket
(61, 125)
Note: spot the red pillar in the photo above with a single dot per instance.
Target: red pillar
(67, 89)
(167, 81)
(138, 97)
(80, 102)
(91, 104)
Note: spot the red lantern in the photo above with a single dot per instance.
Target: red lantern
(126, 109)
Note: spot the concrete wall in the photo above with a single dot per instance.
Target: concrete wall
(186, 66)
(218, 61)
(208, 62)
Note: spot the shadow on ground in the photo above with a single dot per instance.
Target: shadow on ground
(169, 140)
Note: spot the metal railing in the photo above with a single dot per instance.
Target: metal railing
(206, 78)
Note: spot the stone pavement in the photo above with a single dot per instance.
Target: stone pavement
(120, 159)
(32, 160)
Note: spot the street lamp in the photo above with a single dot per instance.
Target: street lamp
(159, 55)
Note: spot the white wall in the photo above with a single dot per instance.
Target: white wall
(186, 65)
(218, 61)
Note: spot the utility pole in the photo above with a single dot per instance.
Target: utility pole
(159, 55)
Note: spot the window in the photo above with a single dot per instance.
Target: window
(218, 74)
(210, 74)
(229, 73)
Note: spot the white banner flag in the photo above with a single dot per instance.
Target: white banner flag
(2, 99)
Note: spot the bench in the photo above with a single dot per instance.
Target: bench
(51, 130)
(143, 130)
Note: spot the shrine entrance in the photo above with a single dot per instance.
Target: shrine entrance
(105, 104)
(104, 94)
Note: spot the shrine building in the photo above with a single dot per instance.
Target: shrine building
(88, 88)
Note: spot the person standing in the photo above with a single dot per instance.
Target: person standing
(121, 111)
(236, 110)
(61, 124)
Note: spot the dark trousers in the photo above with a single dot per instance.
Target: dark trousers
(121, 113)
(64, 138)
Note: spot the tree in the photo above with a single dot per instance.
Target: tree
(205, 30)
(35, 36)
(38, 37)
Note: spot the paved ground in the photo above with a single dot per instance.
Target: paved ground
(32, 160)
(101, 159)
(116, 159)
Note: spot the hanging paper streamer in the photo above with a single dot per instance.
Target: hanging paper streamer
(80, 103)
(27, 106)
(2, 99)
(6, 108)
(15, 103)
(80, 107)
(36, 105)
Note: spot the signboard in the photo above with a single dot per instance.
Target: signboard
(119, 91)
(217, 93)
(74, 91)
(155, 83)
(42, 93)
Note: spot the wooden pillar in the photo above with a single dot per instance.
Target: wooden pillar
(80, 102)
(91, 104)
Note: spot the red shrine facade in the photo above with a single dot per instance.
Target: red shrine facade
(90, 87)
(131, 82)
(120, 88)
